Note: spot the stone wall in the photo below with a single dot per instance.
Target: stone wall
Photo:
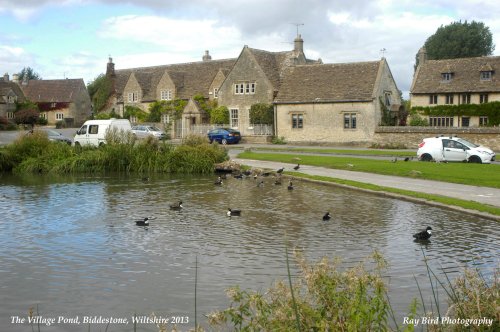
(412, 136)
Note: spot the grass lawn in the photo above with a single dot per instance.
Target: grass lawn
(359, 152)
(486, 175)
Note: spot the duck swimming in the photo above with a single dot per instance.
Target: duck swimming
(143, 222)
(423, 235)
(290, 185)
(327, 216)
(231, 212)
(176, 206)
(218, 182)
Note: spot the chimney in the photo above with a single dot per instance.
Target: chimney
(422, 55)
(207, 57)
(110, 69)
(6, 77)
(15, 78)
(298, 44)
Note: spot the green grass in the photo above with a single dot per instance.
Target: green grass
(359, 152)
(463, 173)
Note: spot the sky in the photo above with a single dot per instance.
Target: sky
(75, 38)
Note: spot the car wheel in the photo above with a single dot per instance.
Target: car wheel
(426, 157)
(77, 144)
(101, 144)
(224, 141)
(475, 160)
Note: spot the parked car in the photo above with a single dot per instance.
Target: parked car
(53, 135)
(143, 131)
(446, 148)
(224, 135)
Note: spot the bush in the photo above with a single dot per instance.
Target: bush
(278, 140)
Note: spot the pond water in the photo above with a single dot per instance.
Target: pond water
(69, 246)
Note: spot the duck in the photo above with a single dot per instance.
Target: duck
(327, 216)
(238, 176)
(296, 167)
(247, 172)
(218, 182)
(231, 212)
(143, 222)
(423, 235)
(176, 206)
(279, 171)
(290, 185)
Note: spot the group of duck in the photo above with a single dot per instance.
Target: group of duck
(420, 236)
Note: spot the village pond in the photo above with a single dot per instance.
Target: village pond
(69, 246)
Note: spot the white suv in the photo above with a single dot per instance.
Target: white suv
(447, 148)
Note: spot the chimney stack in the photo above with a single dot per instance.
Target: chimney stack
(422, 55)
(207, 57)
(6, 77)
(110, 68)
(15, 78)
(299, 44)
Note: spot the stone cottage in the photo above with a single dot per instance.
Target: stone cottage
(10, 94)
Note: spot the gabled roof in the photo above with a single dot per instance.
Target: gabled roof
(329, 82)
(189, 78)
(66, 90)
(466, 75)
(6, 88)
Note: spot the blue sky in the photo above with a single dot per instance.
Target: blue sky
(74, 38)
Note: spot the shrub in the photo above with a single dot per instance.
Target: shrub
(278, 140)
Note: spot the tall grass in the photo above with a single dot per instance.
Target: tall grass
(36, 154)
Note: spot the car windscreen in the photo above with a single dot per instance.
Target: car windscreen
(153, 128)
(467, 143)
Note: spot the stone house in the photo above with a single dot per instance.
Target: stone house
(256, 78)
(456, 82)
(10, 94)
(334, 103)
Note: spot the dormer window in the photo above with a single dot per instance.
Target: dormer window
(446, 77)
(486, 75)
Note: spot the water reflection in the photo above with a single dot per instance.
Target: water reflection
(72, 245)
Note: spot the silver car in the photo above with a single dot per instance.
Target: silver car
(143, 131)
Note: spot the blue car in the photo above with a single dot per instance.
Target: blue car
(224, 135)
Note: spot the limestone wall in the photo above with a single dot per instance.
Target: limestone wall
(412, 136)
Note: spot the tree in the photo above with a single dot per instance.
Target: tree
(219, 115)
(27, 74)
(261, 113)
(99, 92)
(27, 113)
(459, 40)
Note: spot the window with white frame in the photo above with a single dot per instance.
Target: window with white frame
(486, 76)
(10, 115)
(165, 118)
(483, 98)
(43, 115)
(53, 105)
(441, 121)
(133, 97)
(233, 118)
(11, 99)
(166, 94)
(216, 92)
(446, 77)
(59, 116)
(466, 98)
(350, 121)
(297, 121)
(244, 88)
(483, 121)
(133, 119)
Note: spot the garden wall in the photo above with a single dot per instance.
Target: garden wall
(412, 136)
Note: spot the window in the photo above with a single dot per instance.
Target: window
(59, 116)
(449, 99)
(133, 97)
(43, 115)
(234, 121)
(53, 105)
(11, 99)
(247, 88)
(465, 121)
(349, 120)
(133, 119)
(165, 118)
(433, 99)
(166, 94)
(297, 121)
(483, 98)
(483, 121)
(441, 121)
(446, 77)
(10, 115)
(486, 76)
(216, 92)
(387, 99)
(93, 129)
(466, 98)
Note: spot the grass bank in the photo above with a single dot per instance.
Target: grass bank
(462, 173)
(36, 154)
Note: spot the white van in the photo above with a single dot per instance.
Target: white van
(93, 132)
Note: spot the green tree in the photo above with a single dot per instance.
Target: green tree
(459, 40)
(28, 73)
(27, 113)
(261, 113)
(219, 115)
(99, 92)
